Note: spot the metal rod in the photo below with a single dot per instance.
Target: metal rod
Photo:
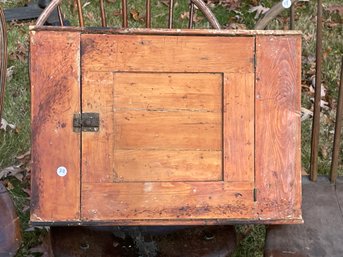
(316, 112)
(338, 129)
(191, 15)
(103, 14)
(148, 14)
(124, 13)
(60, 16)
(171, 13)
(292, 16)
(79, 10)
(3, 56)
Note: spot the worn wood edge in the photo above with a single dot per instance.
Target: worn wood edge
(33, 215)
(165, 222)
(144, 31)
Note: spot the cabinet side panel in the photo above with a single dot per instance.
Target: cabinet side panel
(55, 88)
(277, 128)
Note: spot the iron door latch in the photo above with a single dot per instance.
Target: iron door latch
(86, 122)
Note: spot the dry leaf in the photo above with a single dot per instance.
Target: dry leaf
(305, 114)
(24, 156)
(117, 13)
(135, 15)
(335, 8)
(4, 125)
(19, 53)
(323, 104)
(260, 9)
(9, 74)
(12, 171)
(234, 25)
(303, 172)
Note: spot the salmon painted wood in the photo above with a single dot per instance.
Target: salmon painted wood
(161, 127)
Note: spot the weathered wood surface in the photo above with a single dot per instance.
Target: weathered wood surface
(152, 127)
(55, 89)
(238, 130)
(139, 53)
(322, 233)
(185, 136)
(277, 127)
(176, 32)
(163, 115)
(166, 200)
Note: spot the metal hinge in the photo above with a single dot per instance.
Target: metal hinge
(87, 122)
(255, 194)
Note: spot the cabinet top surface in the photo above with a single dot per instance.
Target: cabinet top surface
(204, 32)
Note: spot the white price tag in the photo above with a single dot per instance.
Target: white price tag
(61, 171)
(286, 4)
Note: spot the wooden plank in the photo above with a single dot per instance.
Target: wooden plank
(97, 96)
(55, 89)
(201, 92)
(277, 156)
(238, 119)
(167, 165)
(177, 54)
(171, 130)
(167, 200)
(161, 31)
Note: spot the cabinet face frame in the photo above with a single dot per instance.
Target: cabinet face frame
(261, 87)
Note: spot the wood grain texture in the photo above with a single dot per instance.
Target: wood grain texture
(163, 31)
(55, 89)
(167, 53)
(167, 165)
(239, 131)
(167, 200)
(152, 128)
(97, 147)
(200, 92)
(278, 170)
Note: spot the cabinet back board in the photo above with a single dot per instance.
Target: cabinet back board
(170, 127)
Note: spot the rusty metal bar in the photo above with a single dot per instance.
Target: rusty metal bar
(316, 112)
(124, 13)
(292, 16)
(171, 14)
(60, 16)
(191, 15)
(103, 14)
(148, 14)
(338, 129)
(3, 60)
(79, 10)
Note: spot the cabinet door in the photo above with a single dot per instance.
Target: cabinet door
(192, 129)
(176, 136)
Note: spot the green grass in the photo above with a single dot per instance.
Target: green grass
(17, 99)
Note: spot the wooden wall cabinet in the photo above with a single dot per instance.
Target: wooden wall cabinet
(161, 127)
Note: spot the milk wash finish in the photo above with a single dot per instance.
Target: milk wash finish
(155, 127)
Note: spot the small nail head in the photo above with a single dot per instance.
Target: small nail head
(62, 171)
